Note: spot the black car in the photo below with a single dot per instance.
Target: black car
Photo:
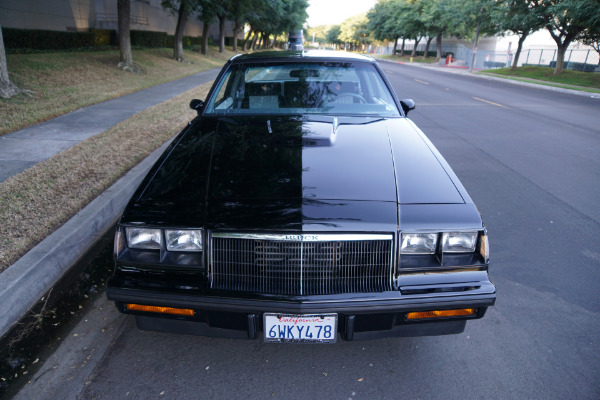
(300, 205)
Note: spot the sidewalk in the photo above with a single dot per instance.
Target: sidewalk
(22, 149)
(31, 277)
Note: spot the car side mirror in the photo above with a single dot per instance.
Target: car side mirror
(407, 105)
(197, 105)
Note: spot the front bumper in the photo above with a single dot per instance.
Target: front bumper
(360, 316)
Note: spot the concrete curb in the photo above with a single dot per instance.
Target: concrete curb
(493, 78)
(34, 274)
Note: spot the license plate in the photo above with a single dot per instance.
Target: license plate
(294, 328)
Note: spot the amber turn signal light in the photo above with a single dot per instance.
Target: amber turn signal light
(441, 313)
(162, 310)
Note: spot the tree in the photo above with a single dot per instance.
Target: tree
(207, 14)
(516, 17)
(238, 12)
(333, 35)
(123, 16)
(591, 37)
(567, 21)
(385, 21)
(7, 88)
(183, 10)
(319, 33)
(354, 29)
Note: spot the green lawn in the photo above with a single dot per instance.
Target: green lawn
(589, 81)
(418, 59)
(61, 82)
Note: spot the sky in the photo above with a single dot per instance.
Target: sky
(331, 12)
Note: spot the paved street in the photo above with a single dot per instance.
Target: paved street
(530, 160)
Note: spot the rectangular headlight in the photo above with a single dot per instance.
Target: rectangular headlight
(419, 243)
(184, 240)
(144, 238)
(459, 242)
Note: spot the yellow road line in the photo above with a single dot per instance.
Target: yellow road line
(490, 102)
(427, 83)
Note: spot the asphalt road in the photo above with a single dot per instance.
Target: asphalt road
(530, 160)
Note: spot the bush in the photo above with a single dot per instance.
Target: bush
(44, 40)
(418, 52)
(494, 64)
(33, 39)
(148, 38)
(575, 66)
(104, 37)
(189, 42)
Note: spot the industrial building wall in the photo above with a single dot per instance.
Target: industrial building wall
(82, 15)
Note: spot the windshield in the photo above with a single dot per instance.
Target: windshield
(335, 88)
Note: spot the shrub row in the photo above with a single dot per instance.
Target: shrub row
(55, 40)
(25, 40)
(576, 66)
(418, 52)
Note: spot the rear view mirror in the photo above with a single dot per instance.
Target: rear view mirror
(407, 105)
(304, 73)
(197, 105)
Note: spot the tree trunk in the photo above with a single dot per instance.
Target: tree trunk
(123, 15)
(7, 89)
(473, 53)
(261, 41)
(395, 45)
(254, 40)
(560, 59)
(438, 43)
(414, 50)
(402, 48)
(237, 28)
(222, 20)
(429, 40)
(518, 53)
(205, 28)
(181, 19)
(247, 40)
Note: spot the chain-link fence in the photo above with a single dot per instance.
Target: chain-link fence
(587, 60)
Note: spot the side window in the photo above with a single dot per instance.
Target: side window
(223, 98)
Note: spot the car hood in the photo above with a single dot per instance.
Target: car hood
(292, 172)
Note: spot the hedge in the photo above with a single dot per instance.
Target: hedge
(55, 40)
(418, 52)
(22, 40)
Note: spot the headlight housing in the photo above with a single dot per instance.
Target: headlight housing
(143, 238)
(443, 249)
(419, 243)
(459, 242)
(184, 240)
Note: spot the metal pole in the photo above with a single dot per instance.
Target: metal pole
(540, 61)
(569, 60)
(586, 58)
(527, 60)
(474, 48)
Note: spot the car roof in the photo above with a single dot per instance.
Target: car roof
(305, 55)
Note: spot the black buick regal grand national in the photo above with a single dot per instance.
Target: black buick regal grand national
(300, 205)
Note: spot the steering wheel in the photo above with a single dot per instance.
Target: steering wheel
(352, 95)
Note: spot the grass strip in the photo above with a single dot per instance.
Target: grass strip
(416, 59)
(65, 81)
(577, 80)
(37, 201)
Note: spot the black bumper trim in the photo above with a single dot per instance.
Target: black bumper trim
(253, 306)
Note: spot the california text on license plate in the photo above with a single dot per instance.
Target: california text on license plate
(293, 328)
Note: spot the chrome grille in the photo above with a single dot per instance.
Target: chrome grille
(301, 264)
